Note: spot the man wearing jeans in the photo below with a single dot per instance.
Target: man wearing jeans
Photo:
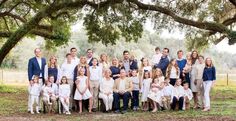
(122, 89)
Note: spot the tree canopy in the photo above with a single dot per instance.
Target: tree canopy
(106, 21)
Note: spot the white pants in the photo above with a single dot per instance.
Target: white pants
(207, 88)
(65, 106)
(39, 98)
(107, 100)
(34, 99)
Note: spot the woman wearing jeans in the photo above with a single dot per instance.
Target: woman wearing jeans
(209, 77)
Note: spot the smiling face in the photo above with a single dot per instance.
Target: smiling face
(178, 82)
(114, 61)
(107, 73)
(145, 62)
(122, 73)
(63, 80)
(73, 52)
(95, 62)
(81, 71)
(209, 62)
(126, 55)
(180, 54)
(37, 52)
(51, 79)
(83, 60)
(89, 53)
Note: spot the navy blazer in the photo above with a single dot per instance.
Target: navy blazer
(34, 69)
(163, 64)
(133, 64)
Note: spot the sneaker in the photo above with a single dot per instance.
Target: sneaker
(37, 112)
(117, 111)
(68, 113)
(32, 112)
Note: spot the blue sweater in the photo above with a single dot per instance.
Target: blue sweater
(209, 74)
(163, 64)
(181, 63)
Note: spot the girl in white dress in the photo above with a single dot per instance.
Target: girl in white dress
(64, 94)
(155, 93)
(34, 92)
(82, 92)
(48, 92)
(106, 89)
(145, 89)
(145, 66)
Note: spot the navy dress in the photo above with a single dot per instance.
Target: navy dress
(53, 72)
(114, 70)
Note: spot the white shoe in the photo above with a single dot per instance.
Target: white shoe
(68, 113)
(32, 112)
(37, 112)
(49, 103)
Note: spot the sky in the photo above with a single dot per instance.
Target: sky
(223, 46)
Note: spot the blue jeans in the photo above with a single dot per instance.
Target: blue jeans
(135, 98)
(180, 102)
(125, 98)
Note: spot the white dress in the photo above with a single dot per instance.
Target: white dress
(82, 86)
(145, 89)
(155, 92)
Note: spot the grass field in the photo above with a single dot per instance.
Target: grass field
(13, 106)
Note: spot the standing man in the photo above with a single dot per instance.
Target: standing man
(181, 63)
(90, 57)
(36, 66)
(129, 64)
(164, 61)
(74, 58)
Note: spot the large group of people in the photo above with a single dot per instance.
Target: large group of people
(159, 83)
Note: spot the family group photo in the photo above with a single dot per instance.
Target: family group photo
(109, 60)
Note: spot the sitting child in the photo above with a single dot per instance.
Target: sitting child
(166, 94)
(177, 96)
(188, 95)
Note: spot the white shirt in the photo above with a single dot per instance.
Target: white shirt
(167, 90)
(75, 61)
(106, 86)
(178, 91)
(67, 70)
(156, 58)
(39, 60)
(88, 60)
(188, 92)
(34, 89)
(173, 73)
(95, 73)
(126, 65)
(135, 81)
(122, 85)
(64, 90)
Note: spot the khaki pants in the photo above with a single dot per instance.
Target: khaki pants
(166, 101)
(200, 91)
(72, 103)
(52, 107)
(94, 85)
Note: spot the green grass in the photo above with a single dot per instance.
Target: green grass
(13, 106)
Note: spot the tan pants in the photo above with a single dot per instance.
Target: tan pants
(166, 101)
(186, 103)
(200, 91)
(94, 85)
(52, 107)
(71, 83)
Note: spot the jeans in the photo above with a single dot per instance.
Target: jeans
(125, 98)
(135, 98)
(180, 101)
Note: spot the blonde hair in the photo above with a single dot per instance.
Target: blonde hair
(50, 64)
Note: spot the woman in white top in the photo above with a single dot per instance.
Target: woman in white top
(64, 94)
(104, 62)
(106, 89)
(172, 72)
(82, 91)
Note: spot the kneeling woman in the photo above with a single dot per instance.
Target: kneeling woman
(106, 89)
(156, 87)
(82, 92)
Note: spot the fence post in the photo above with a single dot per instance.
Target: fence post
(227, 79)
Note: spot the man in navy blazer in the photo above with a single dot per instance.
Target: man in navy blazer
(89, 57)
(164, 62)
(36, 67)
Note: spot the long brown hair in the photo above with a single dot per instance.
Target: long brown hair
(211, 65)
(194, 59)
(170, 67)
(64, 77)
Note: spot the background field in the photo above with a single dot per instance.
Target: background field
(13, 103)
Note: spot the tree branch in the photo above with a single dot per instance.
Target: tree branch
(233, 2)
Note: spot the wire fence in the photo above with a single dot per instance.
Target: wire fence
(9, 76)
